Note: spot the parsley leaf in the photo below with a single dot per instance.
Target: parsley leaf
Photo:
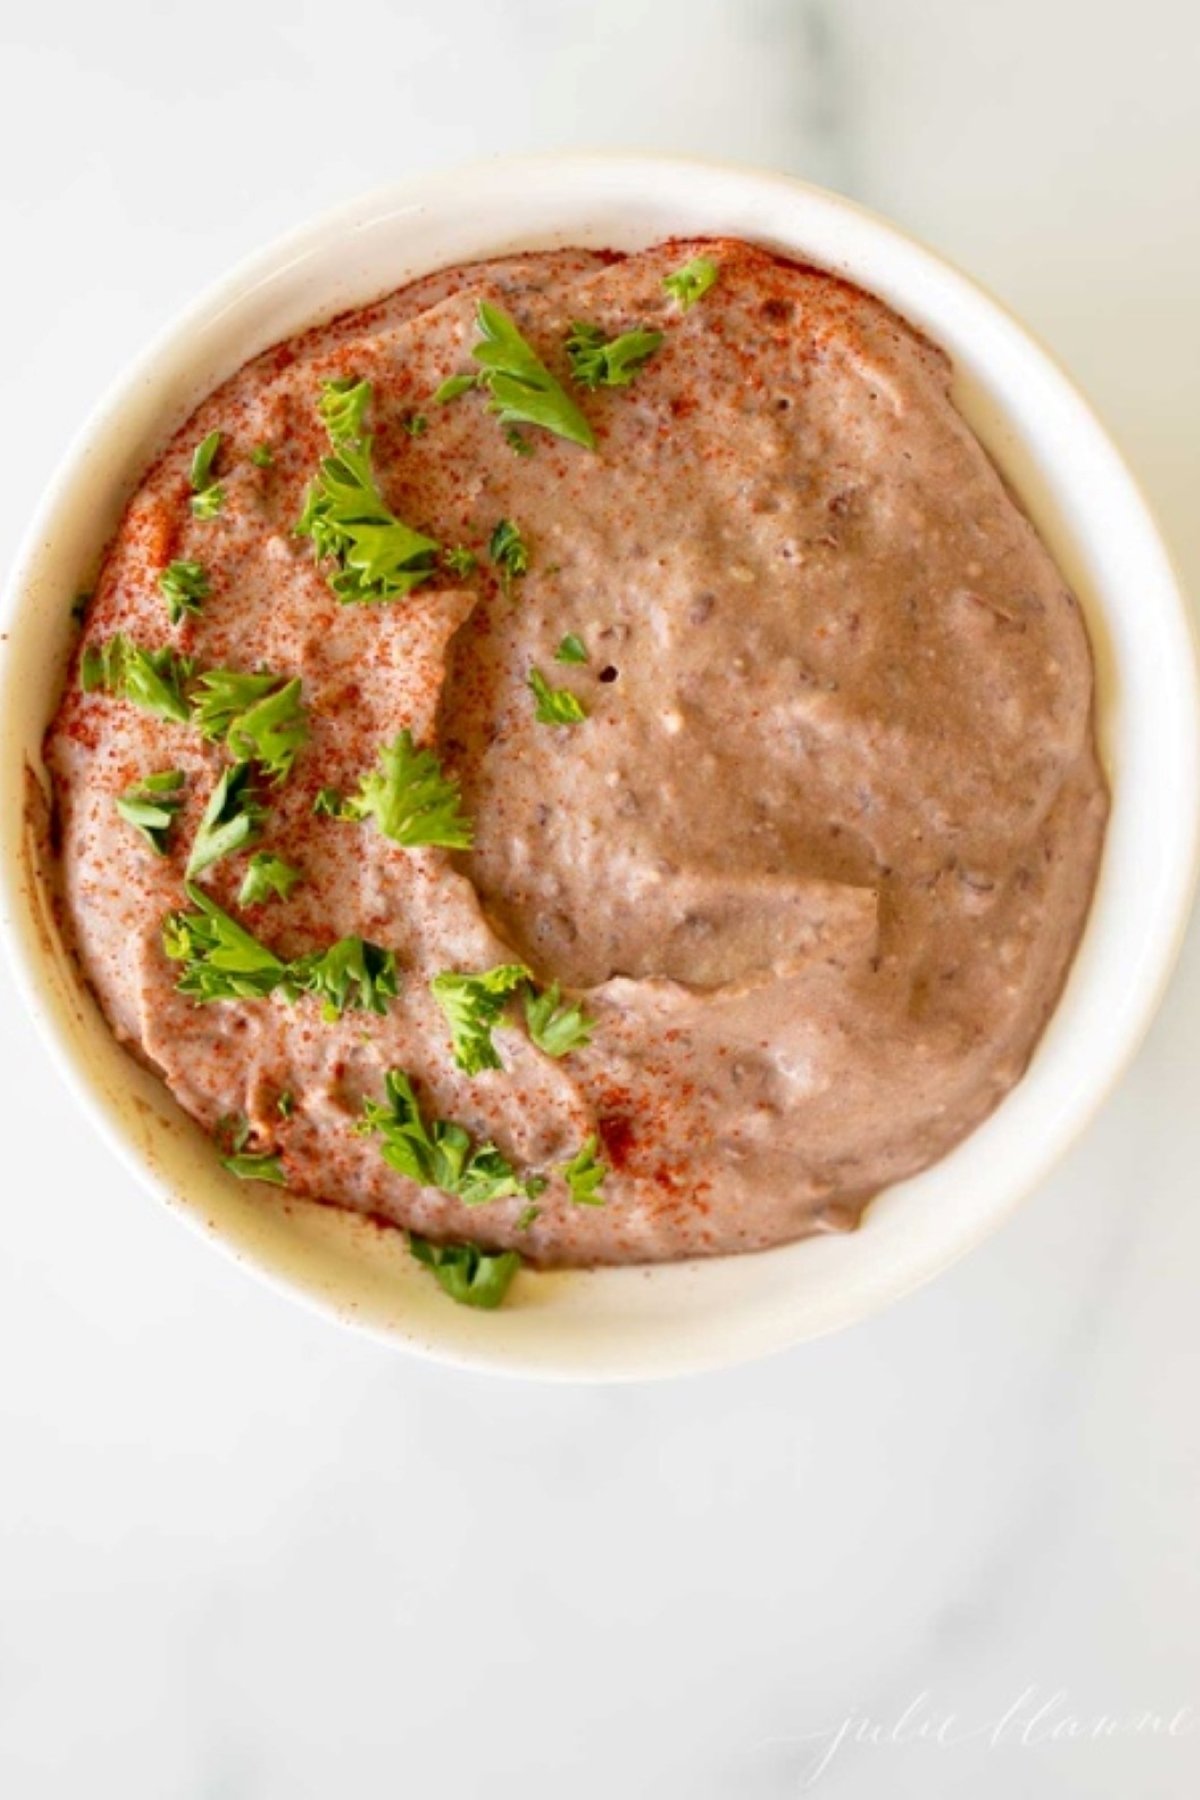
(556, 1026)
(441, 1154)
(328, 803)
(460, 560)
(150, 807)
(473, 1005)
(185, 586)
(262, 456)
(267, 875)
(202, 461)
(509, 551)
(350, 523)
(471, 1276)
(554, 706)
(571, 650)
(232, 820)
(350, 973)
(453, 387)
(613, 362)
(523, 391)
(208, 496)
(416, 424)
(584, 1174)
(691, 282)
(266, 1167)
(223, 961)
(411, 800)
(259, 718)
(155, 680)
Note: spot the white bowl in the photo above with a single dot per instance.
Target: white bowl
(688, 1316)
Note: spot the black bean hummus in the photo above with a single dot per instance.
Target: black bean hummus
(614, 779)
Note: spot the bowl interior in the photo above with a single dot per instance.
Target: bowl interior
(628, 1322)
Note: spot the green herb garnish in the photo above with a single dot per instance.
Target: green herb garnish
(155, 680)
(266, 1167)
(150, 807)
(416, 424)
(377, 556)
(554, 706)
(453, 387)
(691, 282)
(571, 650)
(185, 587)
(266, 876)
(262, 456)
(527, 1217)
(208, 496)
(584, 1174)
(328, 803)
(597, 361)
(202, 461)
(441, 1154)
(473, 1005)
(411, 800)
(557, 1026)
(471, 1276)
(351, 973)
(460, 560)
(259, 718)
(222, 960)
(232, 819)
(522, 389)
(509, 551)
(285, 1106)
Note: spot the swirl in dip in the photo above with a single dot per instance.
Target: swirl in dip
(761, 724)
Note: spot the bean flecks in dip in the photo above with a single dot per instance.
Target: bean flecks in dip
(743, 756)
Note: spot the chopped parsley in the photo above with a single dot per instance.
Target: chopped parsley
(557, 1026)
(411, 800)
(155, 680)
(203, 457)
(259, 718)
(150, 807)
(554, 706)
(527, 1217)
(473, 1005)
(584, 1174)
(571, 650)
(471, 1276)
(691, 282)
(266, 1167)
(460, 560)
(441, 1154)
(262, 456)
(509, 551)
(224, 961)
(232, 819)
(416, 424)
(285, 1106)
(208, 496)
(329, 803)
(522, 389)
(185, 586)
(351, 973)
(376, 556)
(597, 361)
(266, 876)
(453, 387)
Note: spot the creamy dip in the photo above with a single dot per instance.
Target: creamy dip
(814, 861)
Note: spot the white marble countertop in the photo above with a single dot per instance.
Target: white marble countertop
(246, 1557)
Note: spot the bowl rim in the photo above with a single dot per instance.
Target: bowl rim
(379, 206)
